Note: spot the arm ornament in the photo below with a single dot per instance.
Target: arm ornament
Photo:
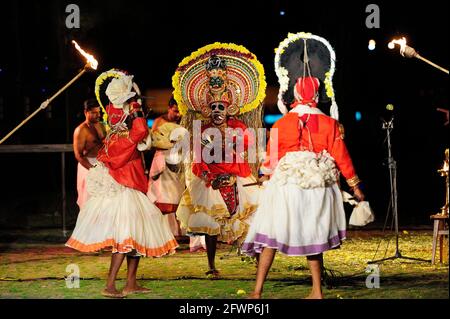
(352, 182)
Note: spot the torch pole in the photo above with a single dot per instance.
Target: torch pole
(431, 63)
(45, 103)
(409, 52)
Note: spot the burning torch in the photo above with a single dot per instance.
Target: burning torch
(91, 62)
(409, 52)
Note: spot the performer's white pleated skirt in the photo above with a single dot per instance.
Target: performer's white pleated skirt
(202, 210)
(122, 218)
(294, 220)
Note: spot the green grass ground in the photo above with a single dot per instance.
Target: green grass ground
(38, 271)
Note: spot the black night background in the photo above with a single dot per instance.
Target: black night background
(150, 38)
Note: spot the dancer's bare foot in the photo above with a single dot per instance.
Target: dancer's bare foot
(254, 295)
(112, 293)
(135, 290)
(314, 295)
(213, 274)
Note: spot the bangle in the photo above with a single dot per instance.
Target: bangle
(352, 182)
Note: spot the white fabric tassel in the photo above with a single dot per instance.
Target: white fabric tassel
(334, 111)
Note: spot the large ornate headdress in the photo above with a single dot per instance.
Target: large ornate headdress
(114, 88)
(305, 55)
(223, 72)
(220, 72)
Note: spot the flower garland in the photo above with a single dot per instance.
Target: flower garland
(329, 85)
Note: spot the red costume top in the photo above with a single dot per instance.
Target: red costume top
(123, 158)
(241, 169)
(325, 135)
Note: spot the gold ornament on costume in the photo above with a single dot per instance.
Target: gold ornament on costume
(206, 111)
(223, 97)
(352, 182)
(216, 70)
(342, 131)
(233, 110)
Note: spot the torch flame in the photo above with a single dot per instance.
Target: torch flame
(401, 42)
(93, 63)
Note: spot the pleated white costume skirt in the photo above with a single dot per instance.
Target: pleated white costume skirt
(202, 210)
(120, 217)
(301, 211)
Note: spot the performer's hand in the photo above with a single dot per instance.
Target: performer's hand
(358, 193)
(263, 178)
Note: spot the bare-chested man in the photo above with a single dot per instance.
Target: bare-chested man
(87, 140)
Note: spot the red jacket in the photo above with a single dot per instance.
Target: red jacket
(241, 169)
(124, 160)
(325, 135)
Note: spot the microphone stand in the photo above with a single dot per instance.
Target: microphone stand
(389, 126)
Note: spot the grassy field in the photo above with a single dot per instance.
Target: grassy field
(39, 271)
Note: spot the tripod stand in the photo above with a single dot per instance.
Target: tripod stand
(389, 126)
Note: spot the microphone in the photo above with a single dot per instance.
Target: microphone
(389, 123)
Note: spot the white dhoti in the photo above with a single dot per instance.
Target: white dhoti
(81, 182)
(165, 189)
(164, 186)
